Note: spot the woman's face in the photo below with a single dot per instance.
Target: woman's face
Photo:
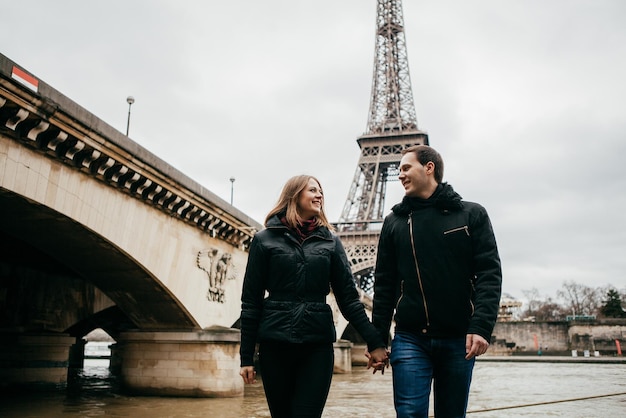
(310, 200)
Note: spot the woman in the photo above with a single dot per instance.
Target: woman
(293, 264)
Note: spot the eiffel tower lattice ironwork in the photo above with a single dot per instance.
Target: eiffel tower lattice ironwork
(391, 127)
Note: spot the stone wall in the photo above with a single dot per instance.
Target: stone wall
(598, 337)
(193, 364)
(34, 361)
(557, 337)
(530, 337)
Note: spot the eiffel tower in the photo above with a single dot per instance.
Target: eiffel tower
(391, 127)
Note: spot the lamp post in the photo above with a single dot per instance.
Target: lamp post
(130, 100)
(232, 183)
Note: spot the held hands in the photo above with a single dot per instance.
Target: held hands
(377, 359)
(475, 345)
(248, 374)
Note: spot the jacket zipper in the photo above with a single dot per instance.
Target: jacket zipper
(419, 276)
(461, 228)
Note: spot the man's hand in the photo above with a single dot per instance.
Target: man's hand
(475, 345)
(248, 374)
(378, 359)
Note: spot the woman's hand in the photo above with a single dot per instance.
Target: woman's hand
(378, 359)
(248, 374)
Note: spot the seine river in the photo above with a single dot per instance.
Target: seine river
(499, 389)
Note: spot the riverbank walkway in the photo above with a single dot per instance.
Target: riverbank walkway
(554, 359)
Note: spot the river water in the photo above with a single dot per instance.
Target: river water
(499, 389)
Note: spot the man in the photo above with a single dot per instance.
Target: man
(438, 269)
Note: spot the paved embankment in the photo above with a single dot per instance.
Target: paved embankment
(554, 359)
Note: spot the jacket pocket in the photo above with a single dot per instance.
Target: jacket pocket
(276, 321)
(458, 241)
(318, 324)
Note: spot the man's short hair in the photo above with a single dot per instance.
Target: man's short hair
(424, 154)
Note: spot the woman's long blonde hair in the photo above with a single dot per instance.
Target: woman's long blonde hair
(288, 203)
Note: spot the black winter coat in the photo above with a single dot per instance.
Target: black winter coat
(297, 277)
(438, 268)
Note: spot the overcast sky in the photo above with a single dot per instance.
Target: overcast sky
(525, 100)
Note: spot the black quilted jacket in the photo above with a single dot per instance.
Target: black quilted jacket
(297, 277)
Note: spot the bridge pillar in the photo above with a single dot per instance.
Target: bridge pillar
(77, 354)
(34, 361)
(343, 356)
(358, 355)
(195, 364)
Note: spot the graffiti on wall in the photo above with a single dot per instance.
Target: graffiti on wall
(219, 267)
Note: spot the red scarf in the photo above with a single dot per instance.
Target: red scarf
(303, 230)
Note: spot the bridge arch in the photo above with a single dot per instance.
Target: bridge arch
(62, 250)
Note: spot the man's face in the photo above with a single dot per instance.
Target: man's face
(414, 176)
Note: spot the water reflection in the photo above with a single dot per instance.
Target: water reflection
(512, 387)
(95, 379)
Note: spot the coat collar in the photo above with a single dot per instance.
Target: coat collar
(444, 198)
(275, 223)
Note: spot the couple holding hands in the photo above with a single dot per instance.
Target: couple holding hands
(437, 275)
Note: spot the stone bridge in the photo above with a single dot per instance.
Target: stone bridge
(97, 232)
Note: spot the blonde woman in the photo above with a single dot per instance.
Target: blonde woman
(297, 260)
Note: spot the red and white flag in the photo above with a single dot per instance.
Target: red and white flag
(25, 78)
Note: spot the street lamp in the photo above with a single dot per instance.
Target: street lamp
(130, 100)
(232, 183)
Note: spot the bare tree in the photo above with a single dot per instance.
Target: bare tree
(533, 301)
(580, 299)
(542, 308)
(549, 310)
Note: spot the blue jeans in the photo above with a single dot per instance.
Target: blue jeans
(417, 361)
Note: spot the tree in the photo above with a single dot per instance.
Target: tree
(580, 299)
(533, 301)
(612, 307)
(540, 308)
(549, 310)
